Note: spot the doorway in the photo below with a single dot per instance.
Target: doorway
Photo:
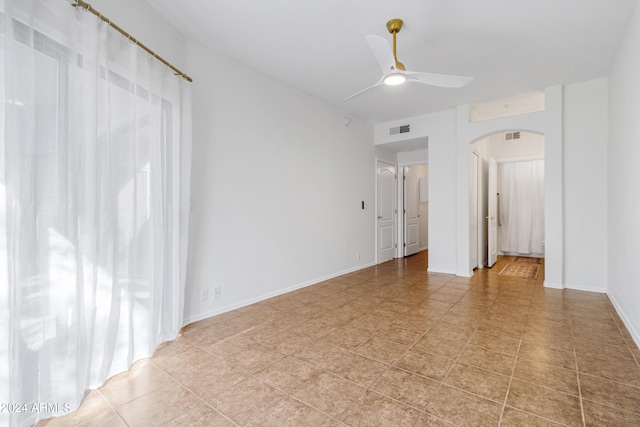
(487, 214)
(413, 190)
(385, 211)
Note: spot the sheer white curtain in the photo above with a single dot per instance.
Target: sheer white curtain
(94, 189)
(522, 207)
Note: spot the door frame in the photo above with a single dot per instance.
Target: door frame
(488, 196)
(400, 204)
(395, 207)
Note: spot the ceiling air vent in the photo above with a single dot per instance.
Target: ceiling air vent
(511, 135)
(399, 129)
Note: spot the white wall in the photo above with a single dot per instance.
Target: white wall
(278, 181)
(413, 157)
(585, 185)
(442, 190)
(530, 145)
(623, 232)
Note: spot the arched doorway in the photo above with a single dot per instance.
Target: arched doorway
(504, 166)
(548, 123)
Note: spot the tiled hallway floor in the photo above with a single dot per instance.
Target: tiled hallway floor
(390, 345)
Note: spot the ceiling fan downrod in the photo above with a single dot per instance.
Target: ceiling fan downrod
(394, 26)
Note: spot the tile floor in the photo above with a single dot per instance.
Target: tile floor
(390, 345)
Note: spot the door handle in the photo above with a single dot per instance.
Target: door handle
(379, 216)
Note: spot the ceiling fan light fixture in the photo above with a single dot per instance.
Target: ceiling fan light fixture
(395, 79)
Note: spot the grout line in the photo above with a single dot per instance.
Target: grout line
(397, 279)
(575, 359)
(515, 362)
(113, 409)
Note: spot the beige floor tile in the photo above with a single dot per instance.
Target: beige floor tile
(542, 354)
(487, 359)
(373, 410)
(546, 375)
(381, 350)
(457, 333)
(545, 402)
(610, 393)
(410, 389)
(288, 374)
(478, 381)
(548, 339)
(290, 412)
(255, 358)
(359, 369)
(95, 411)
(328, 393)
(349, 337)
(498, 343)
(624, 371)
(209, 380)
(199, 415)
(211, 334)
(515, 418)
(230, 346)
(396, 334)
(159, 406)
(425, 364)
(141, 379)
(597, 414)
(429, 420)
(463, 409)
(442, 346)
(246, 400)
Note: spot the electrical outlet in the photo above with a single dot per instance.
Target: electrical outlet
(204, 297)
(217, 292)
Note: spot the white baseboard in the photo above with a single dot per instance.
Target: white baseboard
(465, 274)
(634, 333)
(438, 271)
(551, 285)
(586, 288)
(227, 308)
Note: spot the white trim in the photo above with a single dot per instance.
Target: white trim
(596, 289)
(451, 272)
(634, 334)
(414, 163)
(400, 217)
(520, 159)
(250, 301)
(400, 224)
(551, 285)
(375, 201)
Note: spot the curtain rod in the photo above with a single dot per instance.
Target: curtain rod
(87, 6)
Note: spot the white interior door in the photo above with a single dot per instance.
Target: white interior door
(385, 211)
(473, 211)
(411, 212)
(492, 209)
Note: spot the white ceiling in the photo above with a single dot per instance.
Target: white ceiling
(513, 48)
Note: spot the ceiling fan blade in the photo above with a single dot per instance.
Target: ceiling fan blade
(364, 90)
(382, 52)
(440, 80)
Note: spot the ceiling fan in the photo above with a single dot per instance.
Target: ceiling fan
(394, 71)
